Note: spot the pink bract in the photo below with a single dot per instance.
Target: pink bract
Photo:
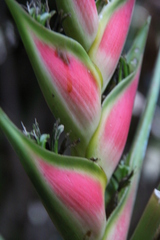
(110, 44)
(109, 140)
(87, 15)
(80, 193)
(74, 84)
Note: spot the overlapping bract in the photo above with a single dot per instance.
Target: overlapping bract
(118, 223)
(108, 142)
(72, 73)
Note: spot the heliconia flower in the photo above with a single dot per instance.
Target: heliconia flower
(68, 79)
(114, 22)
(81, 22)
(108, 142)
(72, 189)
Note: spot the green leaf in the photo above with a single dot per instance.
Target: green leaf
(150, 219)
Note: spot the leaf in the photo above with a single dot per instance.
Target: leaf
(150, 219)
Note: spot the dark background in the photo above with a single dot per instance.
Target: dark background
(22, 216)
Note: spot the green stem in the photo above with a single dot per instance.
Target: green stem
(150, 219)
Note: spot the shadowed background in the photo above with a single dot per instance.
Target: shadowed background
(22, 216)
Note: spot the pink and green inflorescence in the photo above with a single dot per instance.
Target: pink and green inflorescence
(91, 88)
